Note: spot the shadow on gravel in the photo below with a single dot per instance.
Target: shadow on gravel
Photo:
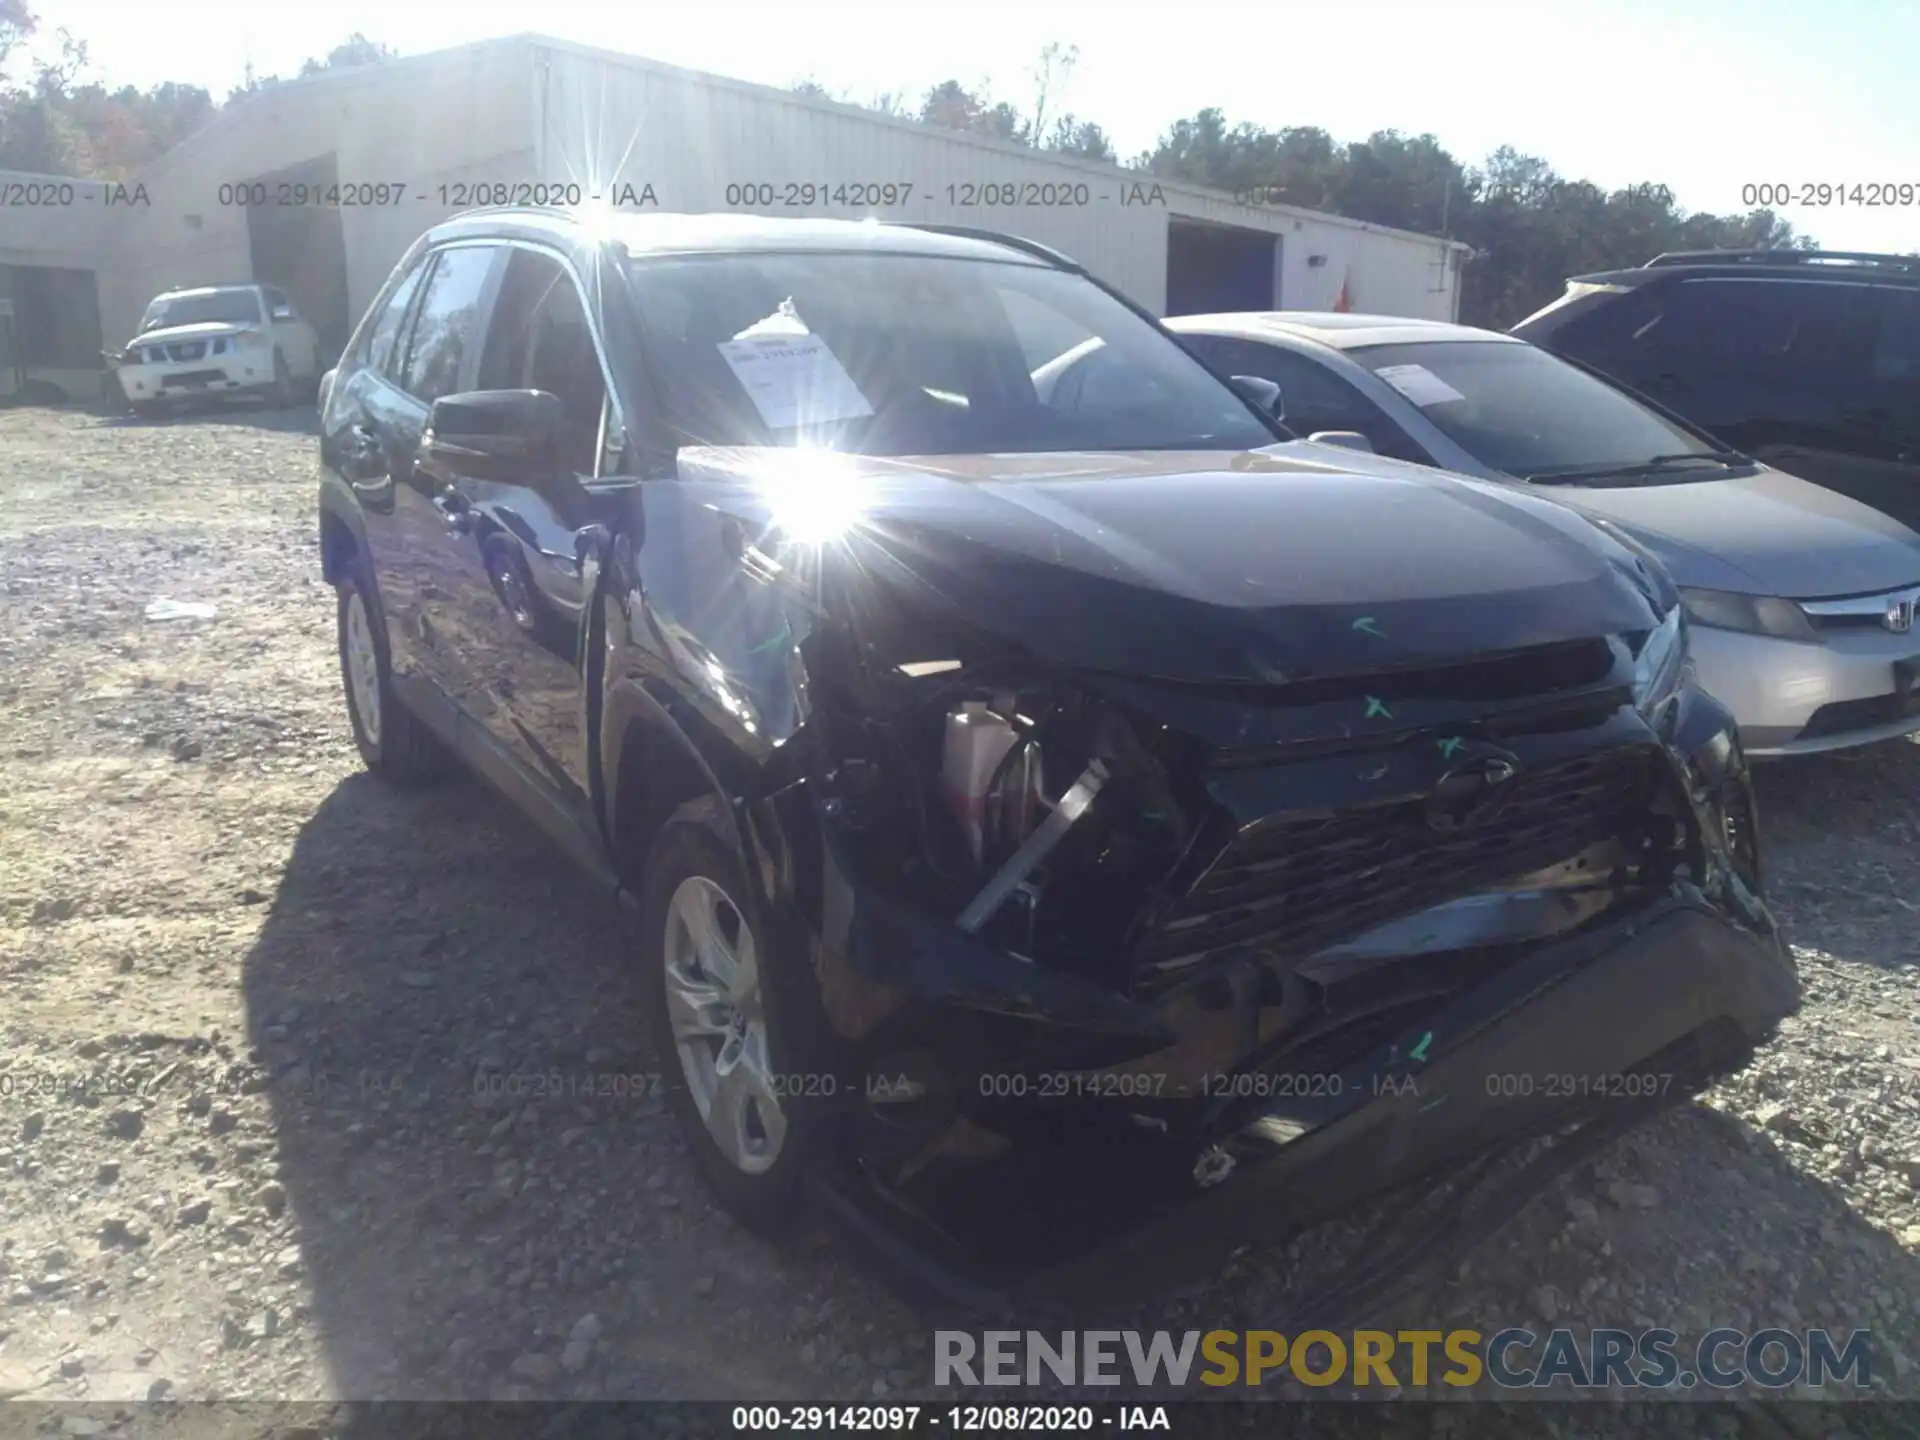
(471, 1134)
(493, 1202)
(293, 420)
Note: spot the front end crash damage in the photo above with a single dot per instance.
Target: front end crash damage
(1118, 973)
(1152, 994)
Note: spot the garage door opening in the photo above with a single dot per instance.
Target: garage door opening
(1211, 268)
(302, 249)
(50, 336)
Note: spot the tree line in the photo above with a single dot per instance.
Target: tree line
(1530, 227)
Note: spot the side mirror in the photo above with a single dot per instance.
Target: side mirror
(1263, 393)
(1345, 439)
(496, 434)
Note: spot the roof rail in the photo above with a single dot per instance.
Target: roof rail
(1012, 242)
(1904, 264)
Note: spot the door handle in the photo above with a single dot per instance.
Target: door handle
(455, 511)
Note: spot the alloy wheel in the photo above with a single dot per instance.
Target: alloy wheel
(363, 668)
(715, 1007)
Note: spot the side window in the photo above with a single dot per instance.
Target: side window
(447, 324)
(1104, 383)
(1612, 326)
(1312, 397)
(1896, 346)
(393, 314)
(539, 339)
(1781, 328)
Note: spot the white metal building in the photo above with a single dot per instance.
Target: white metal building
(318, 185)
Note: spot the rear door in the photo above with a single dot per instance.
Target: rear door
(1892, 409)
(367, 436)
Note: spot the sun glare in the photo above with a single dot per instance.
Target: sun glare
(816, 495)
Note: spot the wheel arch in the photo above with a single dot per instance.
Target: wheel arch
(343, 534)
(657, 771)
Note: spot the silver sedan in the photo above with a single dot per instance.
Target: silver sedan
(1801, 600)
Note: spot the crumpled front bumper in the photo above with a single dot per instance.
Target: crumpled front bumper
(1610, 1024)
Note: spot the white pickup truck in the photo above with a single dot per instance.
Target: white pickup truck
(220, 340)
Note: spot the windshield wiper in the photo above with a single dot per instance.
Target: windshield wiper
(1651, 468)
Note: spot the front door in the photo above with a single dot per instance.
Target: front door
(520, 600)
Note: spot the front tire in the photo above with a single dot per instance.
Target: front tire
(724, 1028)
(392, 742)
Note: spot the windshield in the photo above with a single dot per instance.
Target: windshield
(229, 307)
(1525, 412)
(888, 354)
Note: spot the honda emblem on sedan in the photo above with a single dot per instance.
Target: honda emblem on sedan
(1899, 616)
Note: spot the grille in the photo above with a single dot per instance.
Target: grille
(1292, 887)
(187, 350)
(1841, 716)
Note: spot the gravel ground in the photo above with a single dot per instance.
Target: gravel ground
(246, 990)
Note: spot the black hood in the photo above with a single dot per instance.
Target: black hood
(1280, 565)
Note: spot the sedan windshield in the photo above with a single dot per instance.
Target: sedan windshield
(1525, 412)
(890, 354)
(226, 307)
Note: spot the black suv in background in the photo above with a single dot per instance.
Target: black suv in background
(1080, 828)
(1806, 359)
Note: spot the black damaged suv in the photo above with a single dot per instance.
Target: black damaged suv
(1073, 836)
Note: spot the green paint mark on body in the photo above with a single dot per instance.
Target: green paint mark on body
(1367, 625)
(1376, 707)
(1436, 1100)
(1419, 1052)
(1447, 747)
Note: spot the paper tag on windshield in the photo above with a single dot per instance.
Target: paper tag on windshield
(794, 380)
(1419, 384)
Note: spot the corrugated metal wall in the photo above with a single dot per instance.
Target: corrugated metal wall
(447, 119)
(706, 144)
(524, 111)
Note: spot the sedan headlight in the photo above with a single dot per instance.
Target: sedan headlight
(1661, 662)
(1750, 614)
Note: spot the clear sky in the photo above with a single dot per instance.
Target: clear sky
(1703, 95)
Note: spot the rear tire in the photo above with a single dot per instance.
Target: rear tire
(392, 742)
